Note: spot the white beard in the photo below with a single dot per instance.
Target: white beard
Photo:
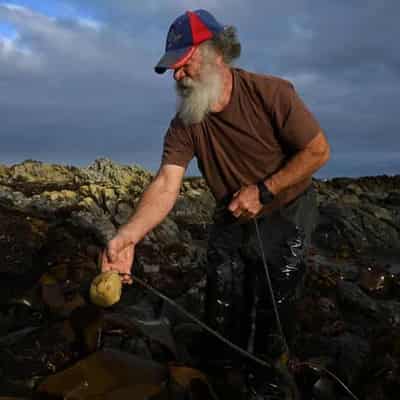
(196, 97)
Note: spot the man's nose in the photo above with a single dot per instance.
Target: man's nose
(179, 73)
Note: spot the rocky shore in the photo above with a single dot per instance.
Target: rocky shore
(54, 220)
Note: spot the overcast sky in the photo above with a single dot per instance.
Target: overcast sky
(77, 80)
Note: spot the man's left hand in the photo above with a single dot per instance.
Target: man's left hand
(246, 202)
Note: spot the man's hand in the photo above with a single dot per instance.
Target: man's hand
(246, 202)
(118, 256)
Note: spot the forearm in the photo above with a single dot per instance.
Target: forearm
(154, 205)
(302, 165)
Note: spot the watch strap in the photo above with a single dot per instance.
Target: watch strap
(266, 196)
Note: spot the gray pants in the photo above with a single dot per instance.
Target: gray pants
(236, 278)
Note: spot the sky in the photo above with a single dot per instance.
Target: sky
(77, 79)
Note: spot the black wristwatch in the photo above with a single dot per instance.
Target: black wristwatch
(266, 196)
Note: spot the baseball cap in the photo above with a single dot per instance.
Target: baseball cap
(184, 35)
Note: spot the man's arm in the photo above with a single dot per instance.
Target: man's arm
(302, 165)
(154, 205)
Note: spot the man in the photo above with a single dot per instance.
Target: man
(257, 145)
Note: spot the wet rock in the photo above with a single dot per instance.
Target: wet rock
(123, 212)
(354, 188)
(350, 199)
(144, 309)
(86, 323)
(343, 268)
(55, 220)
(105, 170)
(357, 213)
(98, 225)
(324, 389)
(193, 300)
(167, 232)
(391, 312)
(4, 172)
(108, 373)
(379, 212)
(65, 197)
(43, 189)
(351, 353)
(137, 346)
(393, 199)
(328, 307)
(376, 281)
(192, 382)
(29, 171)
(348, 354)
(52, 296)
(158, 330)
(20, 238)
(355, 227)
(197, 210)
(351, 296)
(11, 199)
(59, 300)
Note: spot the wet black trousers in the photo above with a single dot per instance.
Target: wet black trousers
(237, 292)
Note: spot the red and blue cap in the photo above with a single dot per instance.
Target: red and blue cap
(184, 35)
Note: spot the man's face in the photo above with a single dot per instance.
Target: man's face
(191, 70)
(198, 85)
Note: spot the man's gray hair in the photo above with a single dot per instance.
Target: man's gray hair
(227, 44)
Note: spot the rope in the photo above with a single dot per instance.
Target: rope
(267, 274)
(202, 324)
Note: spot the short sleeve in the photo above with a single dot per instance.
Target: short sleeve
(178, 145)
(296, 125)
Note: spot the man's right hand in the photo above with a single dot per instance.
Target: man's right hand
(118, 256)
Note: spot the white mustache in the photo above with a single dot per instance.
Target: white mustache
(197, 96)
(186, 83)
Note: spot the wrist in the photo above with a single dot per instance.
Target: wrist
(127, 233)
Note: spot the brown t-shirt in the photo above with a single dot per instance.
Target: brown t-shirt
(262, 126)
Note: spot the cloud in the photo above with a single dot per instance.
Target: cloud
(16, 7)
(90, 89)
(82, 84)
(90, 23)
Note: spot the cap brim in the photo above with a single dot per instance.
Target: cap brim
(174, 59)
